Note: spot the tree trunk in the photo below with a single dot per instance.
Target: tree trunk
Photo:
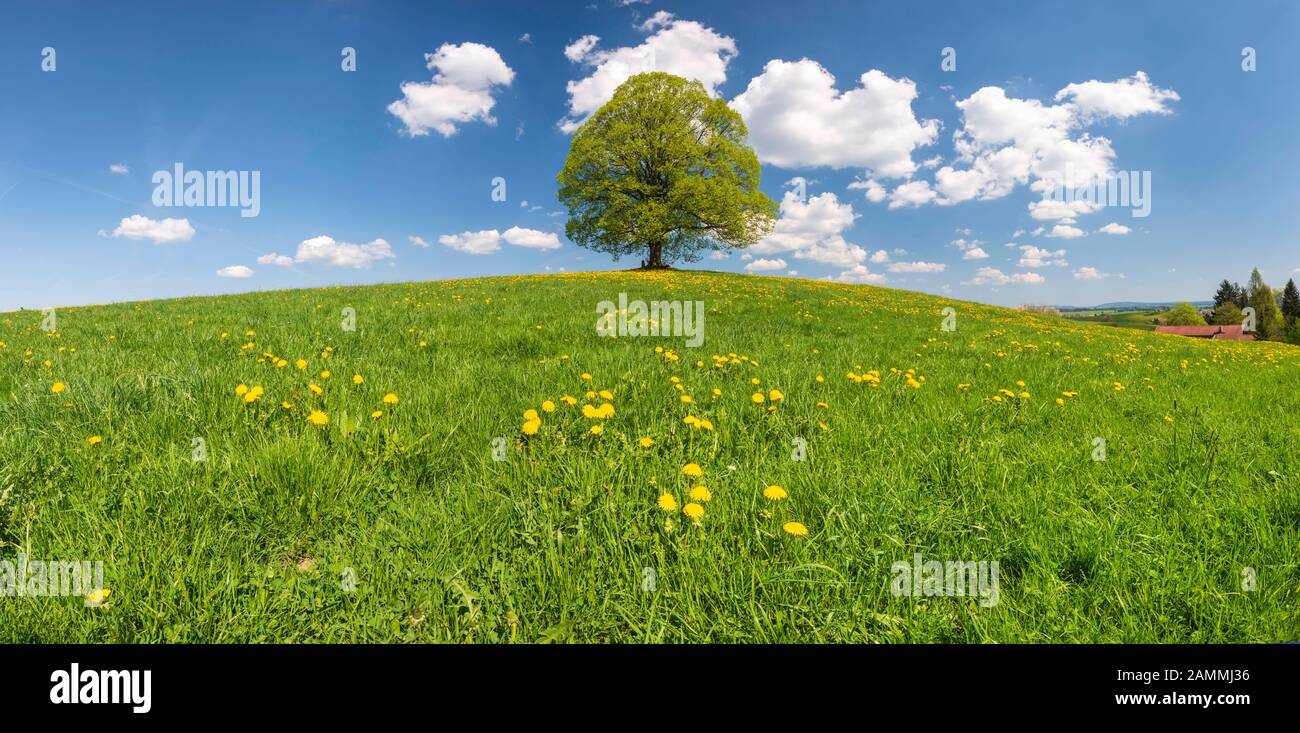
(656, 249)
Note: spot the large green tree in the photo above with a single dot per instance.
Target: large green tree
(664, 169)
(1268, 317)
(1184, 314)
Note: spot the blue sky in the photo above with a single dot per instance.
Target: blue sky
(910, 170)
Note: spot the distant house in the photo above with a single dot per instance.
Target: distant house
(1229, 333)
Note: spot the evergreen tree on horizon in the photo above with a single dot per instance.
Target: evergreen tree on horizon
(1290, 302)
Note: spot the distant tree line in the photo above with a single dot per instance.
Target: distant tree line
(1277, 312)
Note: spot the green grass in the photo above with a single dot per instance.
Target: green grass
(1141, 320)
(447, 544)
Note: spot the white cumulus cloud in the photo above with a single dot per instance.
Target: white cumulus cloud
(1035, 257)
(797, 118)
(474, 243)
(166, 231)
(992, 276)
(1005, 142)
(235, 271)
(914, 193)
(275, 259)
(460, 92)
(917, 267)
(1121, 99)
(681, 47)
(324, 250)
(1065, 231)
(489, 240)
(762, 265)
(860, 274)
(531, 238)
(813, 230)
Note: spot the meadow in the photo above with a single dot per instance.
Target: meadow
(349, 489)
(1138, 319)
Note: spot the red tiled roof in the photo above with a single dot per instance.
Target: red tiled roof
(1228, 333)
(1202, 331)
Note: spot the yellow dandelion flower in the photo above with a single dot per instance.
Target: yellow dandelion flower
(568, 400)
(357, 379)
(98, 596)
(253, 395)
(758, 398)
(377, 413)
(241, 390)
(693, 510)
(586, 377)
(286, 405)
(693, 470)
(686, 399)
(701, 493)
(94, 440)
(775, 493)
(795, 529)
(318, 418)
(646, 442)
(325, 374)
(301, 363)
(606, 394)
(530, 427)
(597, 429)
(57, 387)
(668, 502)
(548, 406)
(390, 399)
(775, 395)
(314, 389)
(1060, 402)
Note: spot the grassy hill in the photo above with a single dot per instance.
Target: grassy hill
(913, 446)
(1137, 319)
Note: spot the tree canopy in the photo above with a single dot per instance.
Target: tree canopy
(664, 169)
(1268, 317)
(1184, 314)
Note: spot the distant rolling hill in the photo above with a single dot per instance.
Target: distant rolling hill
(1128, 305)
